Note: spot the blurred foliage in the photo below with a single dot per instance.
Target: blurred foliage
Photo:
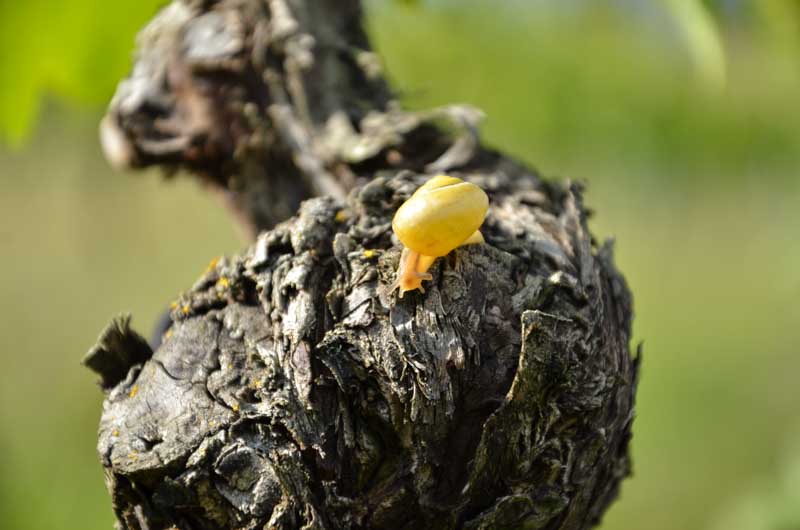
(617, 82)
(76, 49)
(702, 39)
(645, 70)
(771, 504)
(699, 182)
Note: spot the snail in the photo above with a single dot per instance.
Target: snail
(444, 213)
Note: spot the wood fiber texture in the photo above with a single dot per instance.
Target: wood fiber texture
(292, 390)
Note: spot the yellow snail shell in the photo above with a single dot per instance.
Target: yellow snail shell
(444, 213)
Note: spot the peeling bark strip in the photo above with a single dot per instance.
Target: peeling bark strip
(292, 391)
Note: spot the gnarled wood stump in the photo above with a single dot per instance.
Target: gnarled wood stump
(291, 389)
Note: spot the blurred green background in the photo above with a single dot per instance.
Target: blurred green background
(682, 116)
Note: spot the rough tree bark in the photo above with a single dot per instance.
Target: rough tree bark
(292, 390)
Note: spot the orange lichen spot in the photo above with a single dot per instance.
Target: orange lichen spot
(185, 309)
(223, 282)
(134, 391)
(369, 253)
(342, 216)
(212, 264)
(235, 407)
(115, 433)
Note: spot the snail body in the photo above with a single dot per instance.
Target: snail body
(444, 213)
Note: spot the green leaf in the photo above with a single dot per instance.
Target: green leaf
(76, 50)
